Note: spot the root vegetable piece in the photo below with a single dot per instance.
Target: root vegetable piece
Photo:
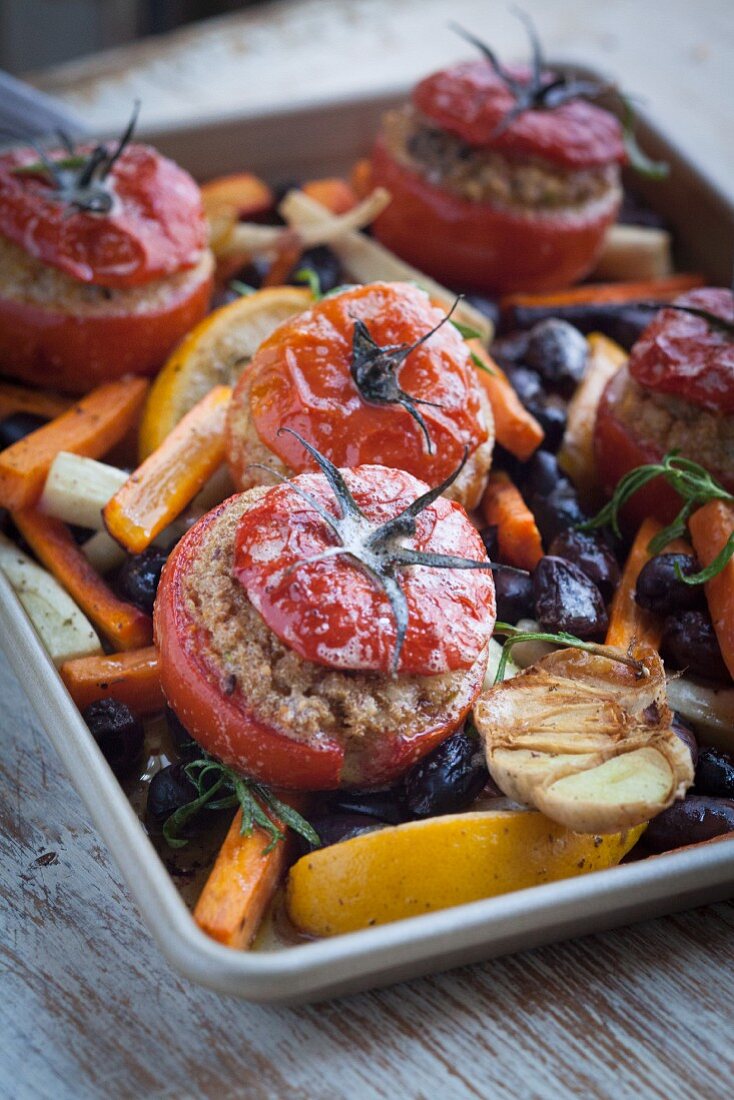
(711, 528)
(516, 429)
(23, 399)
(634, 252)
(517, 534)
(78, 488)
(334, 193)
(586, 740)
(131, 678)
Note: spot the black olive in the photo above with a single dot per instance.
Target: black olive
(555, 511)
(169, 790)
(489, 538)
(18, 426)
(118, 733)
(384, 805)
(542, 474)
(449, 778)
(514, 596)
(137, 580)
(686, 733)
(635, 211)
(183, 742)
(503, 460)
(590, 552)
(333, 828)
(324, 263)
(488, 307)
(551, 414)
(689, 642)
(566, 600)
(659, 589)
(253, 273)
(526, 383)
(557, 351)
(510, 348)
(696, 818)
(715, 773)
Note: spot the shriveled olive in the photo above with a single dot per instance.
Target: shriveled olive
(556, 511)
(169, 790)
(511, 347)
(715, 773)
(686, 733)
(659, 588)
(183, 742)
(565, 599)
(593, 556)
(117, 731)
(325, 265)
(542, 473)
(514, 597)
(139, 575)
(698, 817)
(384, 805)
(526, 383)
(488, 536)
(489, 307)
(689, 642)
(333, 828)
(557, 351)
(551, 413)
(448, 779)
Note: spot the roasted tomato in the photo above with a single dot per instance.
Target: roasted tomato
(374, 374)
(676, 395)
(501, 179)
(282, 616)
(104, 261)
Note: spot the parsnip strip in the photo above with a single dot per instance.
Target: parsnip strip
(78, 488)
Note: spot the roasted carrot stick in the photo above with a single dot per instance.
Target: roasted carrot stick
(332, 192)
(90, 427)
(22, 399)
(711, 527)
(124, 626)
(241, 885)
(131, 678)
(290, 249)
(516, 429)
(662, 290)
(628, 622)
(517, 534)
(242, 193)
(171, 476)
(361, 178)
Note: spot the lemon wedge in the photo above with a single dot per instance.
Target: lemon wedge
(214, 353)
(405, 870)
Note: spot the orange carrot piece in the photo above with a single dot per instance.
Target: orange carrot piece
(131, 678)
(171, 476)
(711, 527)
(242, 884)
(663, 289)
(516, 429)
(90, 427)
(361, 178)
(124, 626)
(628, 622)
(242, 193)
(290, 249)
(22, 399)
(333, 192)
(517, 533)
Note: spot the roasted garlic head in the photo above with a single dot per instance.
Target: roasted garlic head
(586, 740)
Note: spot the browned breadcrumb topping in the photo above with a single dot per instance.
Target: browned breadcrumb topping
(482, 175)
(302, 699)
(672, 424)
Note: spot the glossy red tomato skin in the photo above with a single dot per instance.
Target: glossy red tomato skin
(685, 356)
(331, 612)
(300, 378)
(224, 725)
(470, 100)
(155, 228)
(478, 245)
(73, 354)
(227, 728)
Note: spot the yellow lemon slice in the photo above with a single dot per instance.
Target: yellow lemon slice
(214, 353)
(421, 866)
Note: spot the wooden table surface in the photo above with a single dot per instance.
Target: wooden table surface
(88, 1008)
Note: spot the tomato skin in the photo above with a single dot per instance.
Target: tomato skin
(224, 725)
(469, 99)
(682, 355)
(221, 724)
(74, 353)
(330, 612)
(156, 226)
(478, 245)
(300, 378)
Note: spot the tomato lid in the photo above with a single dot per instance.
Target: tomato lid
(471, 100)
(688, 355)
(337, 597)
(155, 225)
(302, 377)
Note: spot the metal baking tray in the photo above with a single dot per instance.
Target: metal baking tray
(316, 140)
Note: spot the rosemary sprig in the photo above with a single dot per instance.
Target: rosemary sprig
(639, 160)
(243, 289)
(310, 278)
(516, 635)
(692, 483)
(219, 787)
